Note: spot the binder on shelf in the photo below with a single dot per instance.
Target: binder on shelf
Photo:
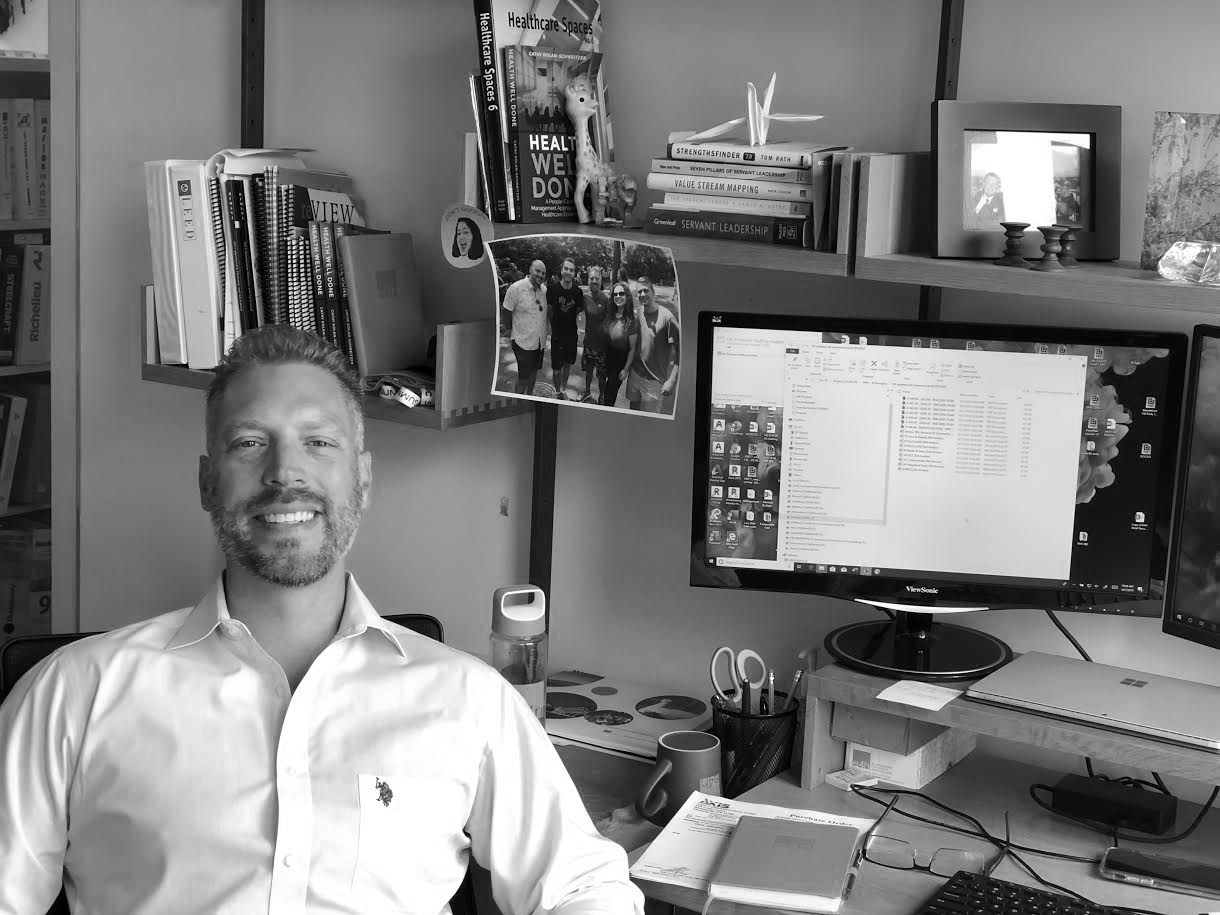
(389, 329)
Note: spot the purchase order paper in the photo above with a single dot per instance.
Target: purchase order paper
(689, 848)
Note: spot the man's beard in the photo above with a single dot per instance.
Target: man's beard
(286, 564)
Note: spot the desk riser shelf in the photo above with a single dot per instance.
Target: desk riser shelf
(688, 250)
(833, 683)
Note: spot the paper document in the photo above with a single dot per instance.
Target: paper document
(920, 695)
(689, 848)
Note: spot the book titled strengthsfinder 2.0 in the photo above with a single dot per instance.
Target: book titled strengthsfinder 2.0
(784, 153)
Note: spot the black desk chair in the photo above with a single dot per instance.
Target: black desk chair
(20, 654)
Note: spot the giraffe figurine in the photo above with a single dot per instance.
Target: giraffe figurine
(594, 176)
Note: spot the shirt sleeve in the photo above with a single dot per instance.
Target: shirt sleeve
(529, 828)
(37, 760)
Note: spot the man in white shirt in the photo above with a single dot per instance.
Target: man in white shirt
(526, 299)
(279, 747)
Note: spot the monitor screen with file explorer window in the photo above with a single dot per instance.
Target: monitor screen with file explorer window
(925, 466)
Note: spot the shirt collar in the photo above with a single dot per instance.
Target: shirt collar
(212, 610)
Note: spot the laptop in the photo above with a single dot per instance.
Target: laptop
(1164, 708)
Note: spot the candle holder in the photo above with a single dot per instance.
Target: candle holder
(1014, 233)
(1050, 250)
(1067, 242)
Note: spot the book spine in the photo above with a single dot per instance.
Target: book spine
(514, 125)
(216, 250)
(792, 231)
(725, 204)
(491, 96)
(730, 187)
(730, 170)
(42, 149)
(11, 263)
(33, 336)
(13, 423)
(345, 311)
(253, 245)
(330, 287)
(171, 339)
(6, 160)
(320, 314)
(25, 167)
(239, 257)
(284, 218)
(192, 234)
(736, 152)
(481, 149)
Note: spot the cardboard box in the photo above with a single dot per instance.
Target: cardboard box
(916, 769)
(880, 730)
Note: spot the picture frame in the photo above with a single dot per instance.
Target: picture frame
(1034, 162)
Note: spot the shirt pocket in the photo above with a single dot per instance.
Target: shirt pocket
(411, 841)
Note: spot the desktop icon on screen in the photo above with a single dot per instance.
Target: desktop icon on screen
(717, 447)
(1094, 400)
(1140, 517)
(1090, 446)
(1092, 424)
(717, 425)
(1083, 537)
(717, 492)
(1146, 449)
(1149, 403)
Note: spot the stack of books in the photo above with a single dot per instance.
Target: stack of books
(245, 238)
(776, 193)
(527, 143)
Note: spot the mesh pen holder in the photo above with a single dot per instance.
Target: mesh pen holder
(753, 748)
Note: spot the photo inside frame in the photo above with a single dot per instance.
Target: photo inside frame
(1041, 178)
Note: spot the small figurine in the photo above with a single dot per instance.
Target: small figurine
(592, 174)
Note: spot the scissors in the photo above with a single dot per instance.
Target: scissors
(737, 675)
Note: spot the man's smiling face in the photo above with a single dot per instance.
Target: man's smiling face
(286, 478)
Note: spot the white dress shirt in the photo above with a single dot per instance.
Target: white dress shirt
(167, 767)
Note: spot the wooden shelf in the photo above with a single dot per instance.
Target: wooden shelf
(834, 683)
(700, 250)
(13, 64)
(1111, 283)
(25, 509)
(32, 369)
(23, 225)
(374, 407)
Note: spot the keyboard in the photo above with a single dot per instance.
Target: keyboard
(971, 894)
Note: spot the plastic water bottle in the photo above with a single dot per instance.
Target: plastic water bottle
(519, 642)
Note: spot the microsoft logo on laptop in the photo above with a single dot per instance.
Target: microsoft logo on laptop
(1131, 681)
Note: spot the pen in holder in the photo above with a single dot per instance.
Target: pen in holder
(753, 747)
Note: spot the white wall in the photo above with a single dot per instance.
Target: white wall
(377, 87)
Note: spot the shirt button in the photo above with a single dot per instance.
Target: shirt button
(291, 860)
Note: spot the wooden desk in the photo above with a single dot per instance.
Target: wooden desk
(985, 787)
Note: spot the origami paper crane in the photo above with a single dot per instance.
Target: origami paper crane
(758, 118)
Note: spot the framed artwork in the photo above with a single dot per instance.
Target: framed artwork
(1183, 183)
(1043, 164)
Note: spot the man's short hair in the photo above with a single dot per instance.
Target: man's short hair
(645, 281)
(595, 270)
(283, 344)
(568, 260)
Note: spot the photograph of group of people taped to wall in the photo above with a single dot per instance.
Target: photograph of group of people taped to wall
(588, 321)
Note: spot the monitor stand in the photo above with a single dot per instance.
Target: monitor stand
(914, 647)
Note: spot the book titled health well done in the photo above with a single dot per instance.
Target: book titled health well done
(787, 864)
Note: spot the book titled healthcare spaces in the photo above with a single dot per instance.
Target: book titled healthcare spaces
(787, 864)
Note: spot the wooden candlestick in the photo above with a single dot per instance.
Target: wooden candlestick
(1067, 242)
(1050, 249)
(1014, 233)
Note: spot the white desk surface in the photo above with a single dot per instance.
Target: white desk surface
(985, 787)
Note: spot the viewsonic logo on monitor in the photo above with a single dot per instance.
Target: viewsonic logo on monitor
(919, 589)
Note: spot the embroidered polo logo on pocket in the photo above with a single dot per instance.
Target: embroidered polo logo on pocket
(384, 793)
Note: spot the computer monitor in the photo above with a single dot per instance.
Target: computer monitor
(1192, 583)
(932, 467)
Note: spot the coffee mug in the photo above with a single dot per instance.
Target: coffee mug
(686, 761)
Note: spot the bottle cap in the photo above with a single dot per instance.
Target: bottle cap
(518, 611)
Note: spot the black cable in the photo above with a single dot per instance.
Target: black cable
(1009, 848)
(1067, 635)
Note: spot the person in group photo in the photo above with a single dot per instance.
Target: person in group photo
(565, 302)
(467, 239)
(593, 350)
(622, 337)
(654, 370)
(279, 744)
(987, 205)
(526, 300)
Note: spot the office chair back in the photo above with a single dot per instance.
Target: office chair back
(20, 654)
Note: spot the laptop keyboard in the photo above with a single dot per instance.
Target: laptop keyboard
(971, 894)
